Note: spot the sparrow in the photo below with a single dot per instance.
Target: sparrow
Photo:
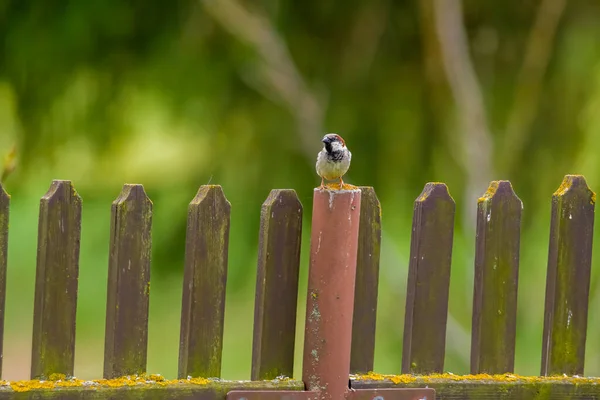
(333, 160)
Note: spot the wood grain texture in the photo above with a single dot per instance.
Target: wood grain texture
(568, 278)
(56, 281)
(367, 283)
(4, 219)
(277, 286)
(157, 391)
(428, 281)
(496, 279)
(126, 339)
(488, 390)
(205, 278)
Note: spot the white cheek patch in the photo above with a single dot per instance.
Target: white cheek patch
(336, 146)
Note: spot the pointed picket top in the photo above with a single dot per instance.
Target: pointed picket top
(126, 336)
(212, 192)
(4, 213)
(498, 191)
(575, 185)
(277, 285)
(428, 283)
(132, 193)
(496, 280)
(568, 278)
(434, 190)
(204, 284)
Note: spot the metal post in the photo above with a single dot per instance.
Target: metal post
(330, 298)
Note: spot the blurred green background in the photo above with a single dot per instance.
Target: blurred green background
(178, 94)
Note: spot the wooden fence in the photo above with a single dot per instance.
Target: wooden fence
(341, 299)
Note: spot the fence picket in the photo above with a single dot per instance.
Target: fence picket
(568, 278)
(496, 280)
(4, 214)
(205, 277)
(428, 281)
(277, 286)
(57, 271)
(126, 339)
(367, 283)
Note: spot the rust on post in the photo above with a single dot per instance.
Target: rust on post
(330, 297)
(496, 279)
(277, 286)
(128, 283)
(367, 283)
(428, 281)
(57, 272)
(205, 277)
(4, 212)
(568, 278)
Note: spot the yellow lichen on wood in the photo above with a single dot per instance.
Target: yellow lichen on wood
(504, 378)
(428, 190)
(337, 186)
(59, 381)
(565, 185)
(490, 192)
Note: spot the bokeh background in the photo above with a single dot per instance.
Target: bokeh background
(178, 94)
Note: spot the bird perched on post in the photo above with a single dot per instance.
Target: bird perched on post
(333, 160)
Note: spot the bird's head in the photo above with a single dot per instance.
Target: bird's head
(333, 142)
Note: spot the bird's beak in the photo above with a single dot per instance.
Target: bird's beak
(326, 140)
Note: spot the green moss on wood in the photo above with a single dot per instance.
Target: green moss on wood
(496, 276)
(4, 219)
(205, 277)
(428, 281)
(367, 283)
(277, 285)
(56, 281)
(569, 265)
(484, 386)
(128, 279)
(135, 387)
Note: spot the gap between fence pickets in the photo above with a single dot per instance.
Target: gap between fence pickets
(353, 394)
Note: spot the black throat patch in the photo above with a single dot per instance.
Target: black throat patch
(333, 155)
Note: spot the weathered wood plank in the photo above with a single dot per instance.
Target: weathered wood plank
(205, 278)
(428, 281)
(134, 390)
(57, 274)
(128, 294)
(568, 278)
(277, 285)
(4, 214)
(496, 279)
(367, 283)
(484, 389)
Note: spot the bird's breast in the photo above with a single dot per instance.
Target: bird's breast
(331, 168)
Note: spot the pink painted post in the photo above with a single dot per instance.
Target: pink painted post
(330, 298)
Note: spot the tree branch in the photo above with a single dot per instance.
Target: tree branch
(476, 140)
(276, 70)
(529, 81)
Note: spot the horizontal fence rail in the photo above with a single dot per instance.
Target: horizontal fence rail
(341, 298)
